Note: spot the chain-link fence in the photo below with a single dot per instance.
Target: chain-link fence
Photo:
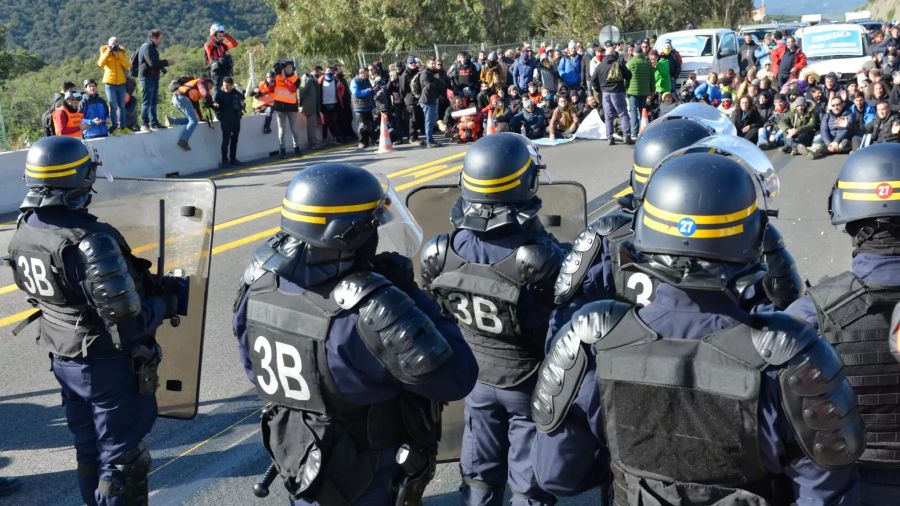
(388, 57)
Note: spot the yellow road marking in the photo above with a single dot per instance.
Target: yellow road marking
(8, 288)
(15, 318)
(419, 173)
(425, 179)
(278, 162)
(415, 168)
(222, 248)
(245, 219)
(207, 440)
(627, 191)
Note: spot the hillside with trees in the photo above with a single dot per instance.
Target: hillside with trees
(55, 29)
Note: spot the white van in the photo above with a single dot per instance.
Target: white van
(703, 51)
(839, 48)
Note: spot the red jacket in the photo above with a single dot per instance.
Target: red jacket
(215, 51)
(778, 54)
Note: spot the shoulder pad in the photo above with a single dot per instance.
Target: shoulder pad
(400, 335)
(355, 287)
(433, 256)
(778, 338)
(822, 407)
(563, 369)
(585, 249)
(255, 269)
(107, 278)
(538, 262)
(833, 291)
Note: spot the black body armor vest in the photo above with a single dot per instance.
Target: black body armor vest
(855, 318)
(484, 300)
(68, 323)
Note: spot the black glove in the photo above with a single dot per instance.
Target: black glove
(175, 292)
(397, 268)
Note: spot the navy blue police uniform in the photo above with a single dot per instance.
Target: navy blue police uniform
(98, 312)
(354, 357)
(495, 274)
(699, 400)
(853, 309)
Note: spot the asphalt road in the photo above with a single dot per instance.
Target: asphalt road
(216, 458)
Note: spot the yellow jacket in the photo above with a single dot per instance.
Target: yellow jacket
(115, 67)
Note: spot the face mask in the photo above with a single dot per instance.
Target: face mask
(329, 77)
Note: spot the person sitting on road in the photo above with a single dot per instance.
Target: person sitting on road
(771, 135)
(886, 127)
(709, 90)
(564, 121)
(67, 117)
(448, 125)
(530, 122)
(834, 133)
(747, 119)
(800, 126)
(727, 105)
(514, 99)
(95, 111)
(861, 114)
(501, 114)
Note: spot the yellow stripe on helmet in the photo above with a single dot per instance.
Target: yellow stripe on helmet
(355, 208)
(50, 175)
(52, 168)
(641, 179)
(491, 182)
(700, 233)
(318, 220)
(868, 196)
(643, 170)
(865, 185)
(495, 189)
(700, 219)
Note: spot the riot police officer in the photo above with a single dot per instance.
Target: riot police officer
(352, 355)
(495, 274)
(701, 401)
(853, 309)
(98, 310)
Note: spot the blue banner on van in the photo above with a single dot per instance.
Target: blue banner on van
(835, 43)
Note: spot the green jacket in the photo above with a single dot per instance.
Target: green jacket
(663, 80)
(803, 120)
(642, 80)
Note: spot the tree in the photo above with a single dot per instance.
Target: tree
(16, 62)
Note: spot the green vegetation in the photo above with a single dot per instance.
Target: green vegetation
(55, 29)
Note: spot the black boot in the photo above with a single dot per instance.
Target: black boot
(282, 153)
(297, 151)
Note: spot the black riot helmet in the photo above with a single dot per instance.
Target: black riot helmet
(59, 171)
(333, 206)
(659, 141)
(499, 183)
(701, 205)
(868, 185)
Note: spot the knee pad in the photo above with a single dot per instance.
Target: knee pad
(134, 465)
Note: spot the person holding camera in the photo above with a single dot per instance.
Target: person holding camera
(115, 73)
(218, 61)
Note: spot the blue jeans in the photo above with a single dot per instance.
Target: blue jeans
(430, 111)
(190, 121)
(635, 105)
(768, 131)
(149, 101)
(116, 95)
(614, 105)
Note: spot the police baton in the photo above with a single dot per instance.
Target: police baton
(261, 489)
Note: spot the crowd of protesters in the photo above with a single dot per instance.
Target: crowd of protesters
(772, 98)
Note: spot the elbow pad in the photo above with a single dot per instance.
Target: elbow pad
(816, 397)
(782, 282)
(432, 258)
(400, 335)
(585, 250)
(107, 279)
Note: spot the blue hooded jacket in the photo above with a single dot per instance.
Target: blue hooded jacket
(94, 107)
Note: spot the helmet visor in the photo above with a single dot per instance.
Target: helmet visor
(397, 229)
(706, 115)
(747, 154)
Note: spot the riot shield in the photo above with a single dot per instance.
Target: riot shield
(707, 115)
(133, 207)
(563, 214)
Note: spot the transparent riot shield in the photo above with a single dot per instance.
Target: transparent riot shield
(133, 207)
(707, 115)
(563, 214)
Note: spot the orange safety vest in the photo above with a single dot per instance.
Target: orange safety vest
(73, 120)
(190, 90)
(266, 96)
(282, 93)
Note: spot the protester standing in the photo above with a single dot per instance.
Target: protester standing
(218, 61)
(150, 68)
(362, 96)
(311, 104)
(286, 105)
(640, 86)
(114, 63)
(229, 105)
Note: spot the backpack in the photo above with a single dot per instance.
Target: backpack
(178, 82)
(416, 85)
(614, 74)
(136, 62)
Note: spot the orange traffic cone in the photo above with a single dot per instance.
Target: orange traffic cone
(491, 125)
(644, 120)
(384, 143)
